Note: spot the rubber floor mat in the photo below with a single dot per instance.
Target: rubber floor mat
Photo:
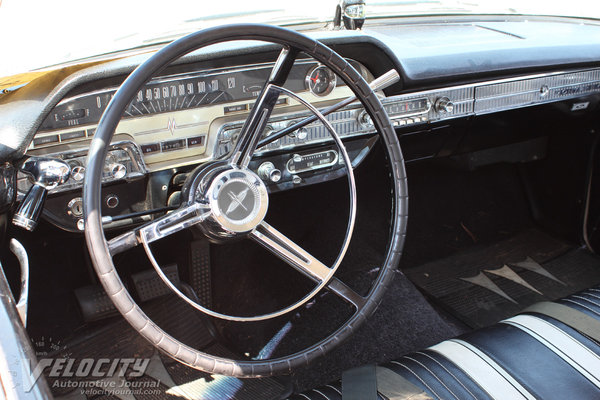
(483, 286)
(116, 344)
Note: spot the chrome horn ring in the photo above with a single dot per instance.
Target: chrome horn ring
(251, 222)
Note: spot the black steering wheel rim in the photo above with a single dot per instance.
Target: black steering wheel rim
(97, 244)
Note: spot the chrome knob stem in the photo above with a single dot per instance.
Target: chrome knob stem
(444, 105)
(268, 172)
(302, 134)
(364, 119)
(31, 208)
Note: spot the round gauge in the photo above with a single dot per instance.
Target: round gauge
(320, 80)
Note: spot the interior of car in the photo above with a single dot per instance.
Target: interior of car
(398, 200)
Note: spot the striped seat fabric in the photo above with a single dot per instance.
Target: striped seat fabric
(529, 356)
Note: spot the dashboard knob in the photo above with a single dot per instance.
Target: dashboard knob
(364, 119)
(112, 201)
(268, 131)
(302, 133)
(268, 172)
(78, 173)
(444, 105)
(118, 171)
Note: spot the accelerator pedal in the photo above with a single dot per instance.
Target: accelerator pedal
(200, 276)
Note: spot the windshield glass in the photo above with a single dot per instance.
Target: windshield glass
(35, 34)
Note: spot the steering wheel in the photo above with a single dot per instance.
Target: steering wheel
(228, 201)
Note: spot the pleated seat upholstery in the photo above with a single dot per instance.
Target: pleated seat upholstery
(529, 356)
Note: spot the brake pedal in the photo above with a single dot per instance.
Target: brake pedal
(200, 276)
(149, 285)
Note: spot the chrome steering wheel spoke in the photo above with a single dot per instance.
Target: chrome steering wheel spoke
(168, 224)
(284, 248)
(254, 126)
(294, 255)
(256, 122)
(346, 293)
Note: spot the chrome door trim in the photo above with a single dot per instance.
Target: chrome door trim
(18, 359)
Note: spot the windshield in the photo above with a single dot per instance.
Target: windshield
(40, 33)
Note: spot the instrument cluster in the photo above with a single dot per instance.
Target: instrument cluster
(179, 119)
(192, 90)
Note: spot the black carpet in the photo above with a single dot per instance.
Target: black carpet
(404, 322)
(488, 283)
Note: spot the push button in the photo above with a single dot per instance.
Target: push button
(150, 148)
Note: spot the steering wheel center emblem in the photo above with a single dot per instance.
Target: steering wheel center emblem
(238, 199)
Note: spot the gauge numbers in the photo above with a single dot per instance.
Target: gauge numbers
(179, 95)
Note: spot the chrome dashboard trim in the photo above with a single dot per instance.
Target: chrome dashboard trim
(511, 93)
(468, 100)
(170, 127)
(547, 88)
(343, 122)
(129, 147)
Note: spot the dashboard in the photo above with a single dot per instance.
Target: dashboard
(193, 114)
(172, 116)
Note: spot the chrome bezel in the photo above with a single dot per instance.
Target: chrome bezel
(315, 167)
(257, 189)
(235, 125)
(394, 101)
(70, 205)
(330, 86)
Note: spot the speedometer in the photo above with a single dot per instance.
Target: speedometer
(181, 94)
(320, 80)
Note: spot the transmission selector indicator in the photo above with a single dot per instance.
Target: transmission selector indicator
(310, 162)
